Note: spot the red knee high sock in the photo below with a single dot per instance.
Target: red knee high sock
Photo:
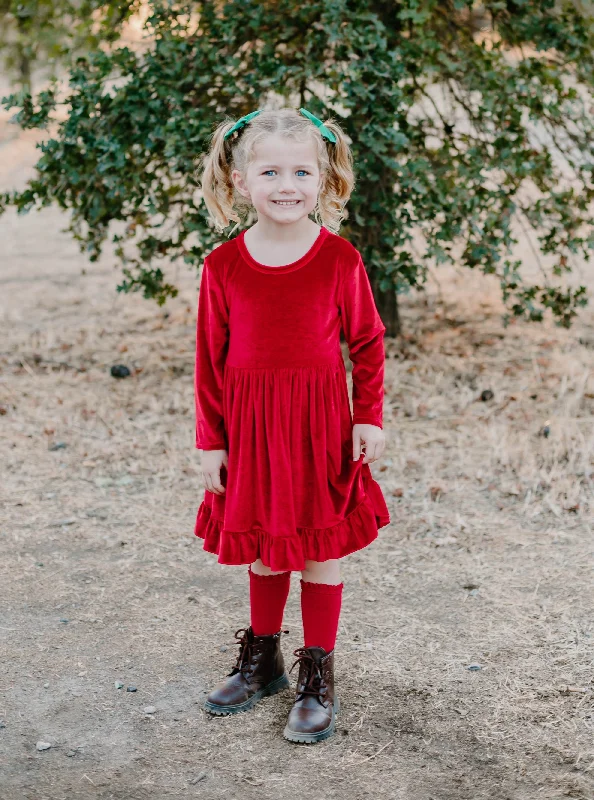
(268, 597)
(320, 610)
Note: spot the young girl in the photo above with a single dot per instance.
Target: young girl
(285, 487)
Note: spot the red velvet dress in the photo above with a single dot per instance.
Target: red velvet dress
(271, 389)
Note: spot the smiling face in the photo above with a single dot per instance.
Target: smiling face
(283, 179)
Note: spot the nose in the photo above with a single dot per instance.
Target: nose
(286, 185)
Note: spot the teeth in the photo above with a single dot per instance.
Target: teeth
(286, 202)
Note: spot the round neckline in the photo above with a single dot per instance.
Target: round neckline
(286, 267)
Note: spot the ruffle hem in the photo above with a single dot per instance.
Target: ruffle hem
(354, 532)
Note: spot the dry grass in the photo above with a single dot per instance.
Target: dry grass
(488, 558)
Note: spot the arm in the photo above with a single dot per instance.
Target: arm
(364, 333)
(212, 335)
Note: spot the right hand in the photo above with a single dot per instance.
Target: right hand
(211, 463)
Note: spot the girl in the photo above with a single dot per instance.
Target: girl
(272, 408)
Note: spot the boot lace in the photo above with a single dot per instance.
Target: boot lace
(247, 649)
(246, 652)
(314, 683)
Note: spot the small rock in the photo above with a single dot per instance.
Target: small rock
(58, 446)
(131, 689)
(150, 710)
(2, 724)
(486, 395)
(46, 685)
(71, 753)
(223, 648)
(120, 371)
(200, 777)
(63, 619)
(474, 667)
(118, 685)
(43, 745)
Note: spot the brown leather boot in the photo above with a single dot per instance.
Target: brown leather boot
(259, 672)
(313, 715)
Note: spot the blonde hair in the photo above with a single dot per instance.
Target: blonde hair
(225, 204)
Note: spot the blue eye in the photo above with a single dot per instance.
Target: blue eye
(273, 170)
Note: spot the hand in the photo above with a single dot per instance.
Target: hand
(374, 439)
(211, 463)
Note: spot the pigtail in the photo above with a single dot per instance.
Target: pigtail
(339, 179)
(217, 186)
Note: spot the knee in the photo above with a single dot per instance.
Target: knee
(258, 568)
(322, 571)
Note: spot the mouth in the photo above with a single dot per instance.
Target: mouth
(286, 203)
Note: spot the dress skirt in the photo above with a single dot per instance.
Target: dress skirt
(292, 489)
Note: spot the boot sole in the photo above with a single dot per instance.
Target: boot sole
(273, 688)
(319, 736)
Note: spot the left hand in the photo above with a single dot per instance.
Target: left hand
(374, 440)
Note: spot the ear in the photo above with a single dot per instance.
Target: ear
(239, 183)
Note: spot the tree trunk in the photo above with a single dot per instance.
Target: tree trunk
(25, 72)
(24, 59)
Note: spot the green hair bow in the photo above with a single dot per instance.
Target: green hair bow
(240, 123)
(327, 134)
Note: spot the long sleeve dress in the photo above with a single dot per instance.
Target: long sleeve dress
(271, 389)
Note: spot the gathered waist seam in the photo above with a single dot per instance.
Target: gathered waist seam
(324, 365)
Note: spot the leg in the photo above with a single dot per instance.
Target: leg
(268, 597)
(313, 716)
(321, 600)
(260, 668)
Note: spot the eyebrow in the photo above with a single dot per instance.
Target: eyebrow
(275, 166)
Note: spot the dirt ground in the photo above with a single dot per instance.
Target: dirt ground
(487, 561)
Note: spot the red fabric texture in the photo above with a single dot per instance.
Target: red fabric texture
(268, 598)
(271, 389)
(320, 611)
